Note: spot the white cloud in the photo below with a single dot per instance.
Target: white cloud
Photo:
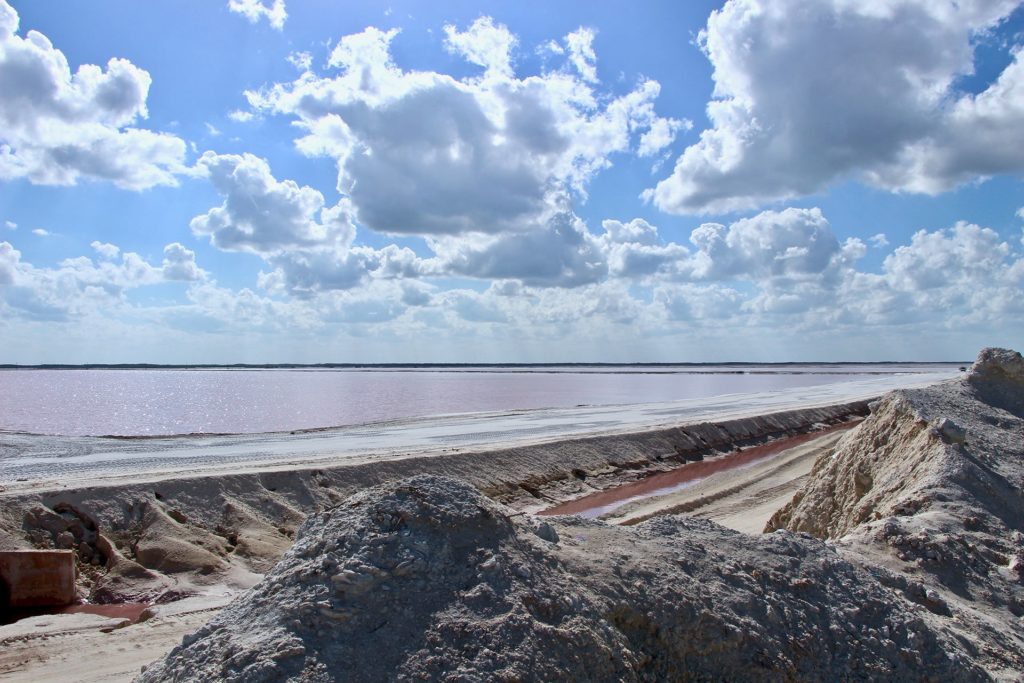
(879, 240)
(562, 254)
(81, 286)
(307, 244)
(303, 61)
(634, 250)
(809, 94)
(552, 47)
(486, 168)
(105, 249)
(1020, 212)
(261, 214)
(416, 294)
(9, 258)
(475, 308)
(789, 243)
(787, 268)
(580, 44)
(636, 231)
(212, 130)
(11, 225)
(661, 134)
(241, 116)
(41, 232)
(423, 153)
(484, 44)
(254, 10)
(691, 302)
(57, 127)
(180, 264)
(780, 273)
(959, 258)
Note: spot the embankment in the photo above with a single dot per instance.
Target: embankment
(151, 540)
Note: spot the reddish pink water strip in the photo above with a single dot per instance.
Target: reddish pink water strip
(602, 502)
(120, 610)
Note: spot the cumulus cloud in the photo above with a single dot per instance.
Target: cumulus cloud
(563, 254)
(254, 10)
(80, 286)
(215, 309)
(661, 134)
(580, 44)
(634, 249)
(808, 94)
(484, 44)
(879, 240)
(105, 249)
(41, 232)
(475, 308)
(781, 268)
(308, 245)
(261, 214)
(57, 126)
(10, 225)
(304, 272)
(180, 264)
(416, 294)
(302, 60)
(956, 259)
(494, 159)
(9, 258)
(792, 242)
(691, 302)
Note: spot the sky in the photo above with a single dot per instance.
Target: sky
(269, 181)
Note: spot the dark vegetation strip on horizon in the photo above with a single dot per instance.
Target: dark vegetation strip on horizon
(442, 366)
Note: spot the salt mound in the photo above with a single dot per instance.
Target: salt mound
(929, 486)
(998, 376)
(429, 579)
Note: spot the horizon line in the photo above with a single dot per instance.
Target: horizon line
(398, 365)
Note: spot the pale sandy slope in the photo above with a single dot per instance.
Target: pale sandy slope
(743, 499)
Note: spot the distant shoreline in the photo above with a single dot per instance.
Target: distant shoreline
(452, 366)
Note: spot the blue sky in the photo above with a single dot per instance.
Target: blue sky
(268, 181)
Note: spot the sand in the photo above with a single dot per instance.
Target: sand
(742, 499)
(87, 648)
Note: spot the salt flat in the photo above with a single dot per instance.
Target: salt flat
(36, 462)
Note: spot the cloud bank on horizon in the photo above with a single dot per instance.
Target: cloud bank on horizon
(494, 195)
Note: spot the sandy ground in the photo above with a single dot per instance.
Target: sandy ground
(86, 648)
(31, 462)
(742, 499)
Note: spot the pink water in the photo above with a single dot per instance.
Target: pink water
(154, 402)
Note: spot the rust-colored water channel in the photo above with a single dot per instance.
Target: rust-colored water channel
(600, 503)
